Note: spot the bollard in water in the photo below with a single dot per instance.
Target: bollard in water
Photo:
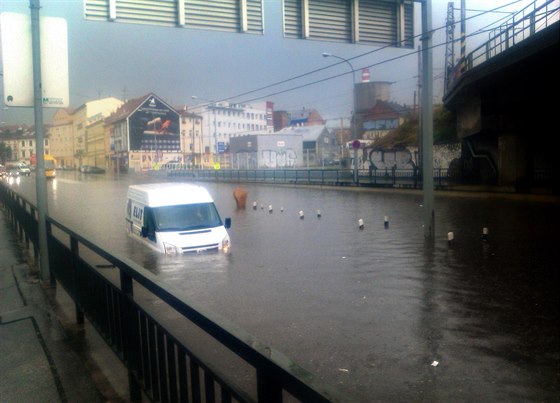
(270, 208)
(485, 234)
(361, 224)
(254, 205)
(301, 216)
(319, 213)
(240, 196)
(450, 238)
(386, 222)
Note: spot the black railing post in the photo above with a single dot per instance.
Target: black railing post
(129, 326)
(268, 391)
(75, 250)
(52, 277)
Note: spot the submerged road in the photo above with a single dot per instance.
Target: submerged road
(380, 314)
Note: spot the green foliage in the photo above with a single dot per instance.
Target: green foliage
(445, 127)
(445, 131)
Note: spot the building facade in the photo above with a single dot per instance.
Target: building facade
(144, 133)
(59, 131)
(20, 140)
(82, 117)
(320, 145)
(222, 121)
(381, 119)
(264, 150)
(191, 139)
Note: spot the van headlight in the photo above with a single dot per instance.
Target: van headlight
(170, 249)
(226, 246)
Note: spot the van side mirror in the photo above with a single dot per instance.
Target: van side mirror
(144, 232)
(227, 222)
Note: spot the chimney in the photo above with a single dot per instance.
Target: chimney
(365, 75)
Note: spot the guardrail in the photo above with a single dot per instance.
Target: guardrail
(398, 178)
(150, 327)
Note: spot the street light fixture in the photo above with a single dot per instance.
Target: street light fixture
(353, 120)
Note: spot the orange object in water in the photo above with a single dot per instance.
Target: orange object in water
(240, 196)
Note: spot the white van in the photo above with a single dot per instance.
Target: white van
(175, 218)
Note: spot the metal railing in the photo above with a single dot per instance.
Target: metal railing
(522, 25)
(146, 323)
(525, 23)
(398, 178)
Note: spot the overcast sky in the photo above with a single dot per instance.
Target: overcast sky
(126, 60)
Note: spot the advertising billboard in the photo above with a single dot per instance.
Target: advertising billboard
(154, 126)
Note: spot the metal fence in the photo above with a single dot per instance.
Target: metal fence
(537, 16)
(397, 178)
(149, 327)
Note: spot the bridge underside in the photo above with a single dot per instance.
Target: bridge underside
(507, 116)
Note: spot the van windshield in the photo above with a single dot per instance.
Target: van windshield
(186, 217)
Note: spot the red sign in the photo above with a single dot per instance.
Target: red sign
(356, 144)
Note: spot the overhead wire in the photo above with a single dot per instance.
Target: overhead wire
(349, 59)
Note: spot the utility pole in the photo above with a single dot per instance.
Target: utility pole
(449, 45)
(427, 120)
(41, 180)
(463, 36)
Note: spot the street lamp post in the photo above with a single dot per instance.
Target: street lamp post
(353, 120)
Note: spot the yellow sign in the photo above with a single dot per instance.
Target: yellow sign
(216, 166)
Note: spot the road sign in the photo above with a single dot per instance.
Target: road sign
(17, 61)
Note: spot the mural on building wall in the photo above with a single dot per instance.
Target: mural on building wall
(285, 158)
(154, 127)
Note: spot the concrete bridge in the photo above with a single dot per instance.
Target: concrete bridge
(506, 101)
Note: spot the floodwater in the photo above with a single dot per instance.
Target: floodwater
(379, 314)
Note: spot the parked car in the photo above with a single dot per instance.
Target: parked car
(90, 169)
(23, 169)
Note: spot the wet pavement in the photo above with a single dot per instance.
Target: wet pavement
(42, 356)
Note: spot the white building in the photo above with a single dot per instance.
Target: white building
(222, 121)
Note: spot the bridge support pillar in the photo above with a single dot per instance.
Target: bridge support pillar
(512, 160)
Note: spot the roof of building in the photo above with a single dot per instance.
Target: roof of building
(308, 133)
(126, 109)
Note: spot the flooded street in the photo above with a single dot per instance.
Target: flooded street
(381, 314)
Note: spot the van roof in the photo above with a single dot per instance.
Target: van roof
(168, 194)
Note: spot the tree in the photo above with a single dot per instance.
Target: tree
(445, 131)
(5, 152)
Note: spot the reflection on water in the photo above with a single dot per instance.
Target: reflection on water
(370, 310)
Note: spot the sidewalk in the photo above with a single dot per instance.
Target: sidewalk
(40, 359)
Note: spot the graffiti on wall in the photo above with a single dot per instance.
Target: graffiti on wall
(392, 159)
(407, 158)
(286, 158)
